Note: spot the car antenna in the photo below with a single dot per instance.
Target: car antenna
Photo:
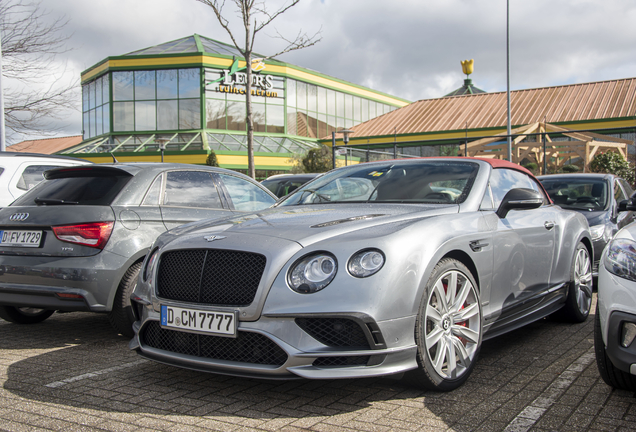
(114, 159)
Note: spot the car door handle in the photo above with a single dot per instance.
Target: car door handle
(549, 225)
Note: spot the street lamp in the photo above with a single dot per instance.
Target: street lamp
(162, 145)
(345, 137)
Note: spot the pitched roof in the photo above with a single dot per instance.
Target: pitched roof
(45, 146)
(191, 44)
(561, 104)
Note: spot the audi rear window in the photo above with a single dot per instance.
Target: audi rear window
(75, 190)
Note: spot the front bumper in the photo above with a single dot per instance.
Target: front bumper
(621, 357)
(277, 348)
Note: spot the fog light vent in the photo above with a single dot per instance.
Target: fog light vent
(629, 334)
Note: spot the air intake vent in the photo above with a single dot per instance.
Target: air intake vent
(335, 332)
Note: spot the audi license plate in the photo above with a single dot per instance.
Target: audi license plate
(200, 321)
(20, 238)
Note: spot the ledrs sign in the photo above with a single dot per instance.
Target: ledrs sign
(233, 77)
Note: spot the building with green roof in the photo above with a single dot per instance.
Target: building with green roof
(188, 96)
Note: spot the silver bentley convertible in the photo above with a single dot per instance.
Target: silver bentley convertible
(374, 269)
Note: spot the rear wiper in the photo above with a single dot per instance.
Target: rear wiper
(54, 201)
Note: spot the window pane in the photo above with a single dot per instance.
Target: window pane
(106, 117)
(123, 116)
(236, 115)
(292, 128)
(152, 196)
(322, 100)
(301, 95)
(98, 92)
(340, 105)
(365, 110)
(189, 113)
(331, 102)
(291, 92)
(312, 97)
(99, 121)
(322, 125)
(215, 111)
(245, 195)
(105, 89)
(313, 125)
(32, 175)
(91, 95)
(348, 106)
(144, 85)
(191, 189)
(189, 83)
(167, 84)
(275, 119)
(122, 86)
(356, 109)
(258, 117)
(167, 115)
(91, 113)
(85, 97)
(145, 115)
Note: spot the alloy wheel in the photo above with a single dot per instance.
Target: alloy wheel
(583, 280)
(452, 325)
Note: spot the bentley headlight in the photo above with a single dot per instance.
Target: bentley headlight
(620, 258)
(312, 273)
(597, 231)
(366, 263)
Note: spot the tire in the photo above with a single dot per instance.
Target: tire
(24, 315)
(448, 329)
(121, 317)
(579, 302)
(612, 376)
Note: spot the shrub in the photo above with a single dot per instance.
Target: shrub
(613, 163)
(212, 160)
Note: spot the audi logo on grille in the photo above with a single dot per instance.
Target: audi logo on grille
(18, 217)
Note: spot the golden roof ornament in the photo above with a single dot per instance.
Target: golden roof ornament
(467, 66)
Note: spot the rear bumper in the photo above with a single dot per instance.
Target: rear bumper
(52, 282)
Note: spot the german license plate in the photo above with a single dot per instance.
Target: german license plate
(200, 321)
(20, 238)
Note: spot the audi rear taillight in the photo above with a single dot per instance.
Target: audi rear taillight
(94, 234)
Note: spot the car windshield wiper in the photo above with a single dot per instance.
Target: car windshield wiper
(54, 201)
(315, 192)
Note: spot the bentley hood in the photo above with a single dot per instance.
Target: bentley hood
(306, 225)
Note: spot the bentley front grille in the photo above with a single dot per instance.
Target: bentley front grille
(247, 347)
(210, 276)
(335, 332)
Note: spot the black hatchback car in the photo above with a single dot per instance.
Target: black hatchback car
(601, 198)
(76, 241)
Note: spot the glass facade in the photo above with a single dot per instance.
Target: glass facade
(170, 100)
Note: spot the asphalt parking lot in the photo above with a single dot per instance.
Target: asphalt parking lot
(73, 373)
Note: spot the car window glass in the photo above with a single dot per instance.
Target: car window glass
(502, 180)
(88, 190)
(582, 193)
(626, 187)
(619, 195)
(191, 189)
(245, 195)
(152, 197)
(32, 175)
(1, 171)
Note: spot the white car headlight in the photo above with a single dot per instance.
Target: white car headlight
(366, 263)
(312, 273)
(597, 231)
(620, 258)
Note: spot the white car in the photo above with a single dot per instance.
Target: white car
(615, 322)
(19, 172)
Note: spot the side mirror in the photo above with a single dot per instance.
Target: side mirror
(519, 199)
(631, 203)
(622, 206)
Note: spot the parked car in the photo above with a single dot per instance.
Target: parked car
(615, 321)
(598, 198)
(401, 273)
(19, 172)
(284, 184)
(76, 241)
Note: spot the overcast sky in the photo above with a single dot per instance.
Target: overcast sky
(407, 48)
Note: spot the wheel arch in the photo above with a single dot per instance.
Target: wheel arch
(465, 259)
(138, 257)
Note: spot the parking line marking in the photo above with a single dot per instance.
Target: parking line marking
(533, 412)
(94, 374)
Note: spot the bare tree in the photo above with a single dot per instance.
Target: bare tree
(255, 17)
(30, 42)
